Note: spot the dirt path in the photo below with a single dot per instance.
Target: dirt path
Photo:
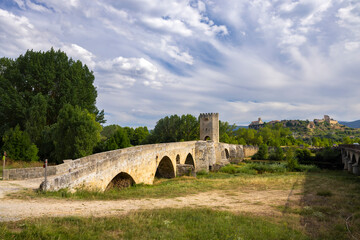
(257, 202)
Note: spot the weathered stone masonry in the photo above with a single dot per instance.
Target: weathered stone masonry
(141, 164)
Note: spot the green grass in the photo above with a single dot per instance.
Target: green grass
(155, 224)
(181, 186)
(326, 199)
(264, 167)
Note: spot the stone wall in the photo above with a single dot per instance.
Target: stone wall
(35, 172)
(250, 150)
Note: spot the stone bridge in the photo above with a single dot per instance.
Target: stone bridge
(141, 164)
(350, 154)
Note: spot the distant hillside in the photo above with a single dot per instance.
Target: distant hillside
(308, 129)
(354, 124)
(237, 127)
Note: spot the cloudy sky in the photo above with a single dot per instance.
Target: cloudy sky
(275, 59)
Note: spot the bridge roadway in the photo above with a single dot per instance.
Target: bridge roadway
(350, 154)
(141, 164)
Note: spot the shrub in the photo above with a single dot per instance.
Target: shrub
(277, 155)
(18, 145)
(292, 163)
(262, 154)
(228, 169)
(303, 155)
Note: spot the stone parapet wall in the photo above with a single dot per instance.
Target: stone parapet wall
(250, 150)
(35, 172)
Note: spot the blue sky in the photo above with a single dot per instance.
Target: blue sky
(279, 59)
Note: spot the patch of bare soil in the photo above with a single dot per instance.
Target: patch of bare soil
(255, 202)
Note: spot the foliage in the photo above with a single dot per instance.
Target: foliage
(292, 163)
(303, 155)
(18, 146)
(262, 154)
(277, 155)
(175, 129)
(118, 140)
(35, 87)
(116, 137)
(58, 79)
(76, 133)
(109, 130)
(329, 155)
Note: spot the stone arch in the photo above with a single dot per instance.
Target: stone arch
(165, 168)
(121, 180)
(353, 158)
(190, 160)
(178, 159)
(227, 154)
(207, 138)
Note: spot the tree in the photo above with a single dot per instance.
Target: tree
(277, 155)
(109, 130)
(140, 134)
(292, 163)
(189, 128)
(58, 79)
(76, 133)
(119, 140)
(18, 145)
(174, 129)
(262, 154)
(36, 117)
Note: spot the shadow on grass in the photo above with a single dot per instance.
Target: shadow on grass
(330, 205)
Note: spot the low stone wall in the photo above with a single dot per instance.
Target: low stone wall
(250, 150)
(35, 172)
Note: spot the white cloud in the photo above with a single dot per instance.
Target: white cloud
(19, 34)
(124, 72)
(168, 25)
(174, 52)
(77, 52)
(244, 59)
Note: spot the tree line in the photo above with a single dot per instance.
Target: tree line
(48, 111)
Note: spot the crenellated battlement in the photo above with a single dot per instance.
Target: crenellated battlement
(209, 115)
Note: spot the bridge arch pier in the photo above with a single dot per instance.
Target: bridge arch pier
(350, 155)
(165, 168)
(121, 180)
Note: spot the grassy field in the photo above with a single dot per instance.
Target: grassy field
(329, 209)
(156, 224)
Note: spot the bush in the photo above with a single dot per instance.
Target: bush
(277, 155)
(262, 154)
(292, 163)
(303, 155)
(228, 169)
(18, 145)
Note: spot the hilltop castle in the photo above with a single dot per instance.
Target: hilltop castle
(259, 123)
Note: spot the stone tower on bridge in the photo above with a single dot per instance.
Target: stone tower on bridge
(209, 126)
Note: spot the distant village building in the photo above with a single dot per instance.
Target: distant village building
(326, 119)
(256, 124)
(289, 123)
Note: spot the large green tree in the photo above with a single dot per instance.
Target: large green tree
(43, 78)
(76, 133)
(175, 129)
